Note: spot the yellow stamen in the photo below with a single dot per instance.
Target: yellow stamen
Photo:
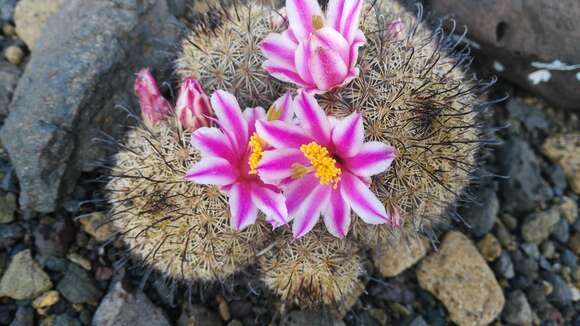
(298, 171)
(324, 165)
(257, 146)
(273, 113)
(317, 22)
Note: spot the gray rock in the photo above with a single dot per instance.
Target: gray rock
(481, 215)
(418, 321)
(52, 238)
(24, 279)
(517, 310)
(78, 286)
(61, 106)
(10, 234)
(504, 266)
(7, 10)
(9, 76)
(511, 37)
(525, 266)
(531, 250)
(66, 320)
(568, 258)
(557, 178)
(24, 317)
(120, 307)
(196, 315)
(538, 226)
(561, 231)
(308, 317)
(7, 207)
(561, 296)
(529, 118)
(524, 189)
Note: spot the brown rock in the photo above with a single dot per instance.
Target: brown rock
(461, 279)
(96, 225)
(569, 209)
(30, 17)
(489, 247)
(393, 259)
(519, 38)
(564, 150)
(574, 243)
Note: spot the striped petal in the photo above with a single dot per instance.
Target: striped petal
(271, 203)
(373, 158)
(336, 215)
(302, 59)
(330, 38)
(252, 115)
(243, 210)
(285, 74)
(312, 118)
(212, 142)
(279, 134)
(344, 16)
(298, 190)
(230, 117)
(212, 171)
(348, 135)
(284, 105)
(359, 41)
(362, 200)
(279, 49)
(300, 13)
(276, 165)
(327, 67)
(309, 210)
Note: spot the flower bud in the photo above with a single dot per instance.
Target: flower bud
(192, 108)
(154, 107)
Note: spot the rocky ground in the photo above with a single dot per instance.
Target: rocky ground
(512, 257)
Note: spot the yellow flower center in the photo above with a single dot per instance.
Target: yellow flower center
(317, 22)
(257, 146)
(323, 164)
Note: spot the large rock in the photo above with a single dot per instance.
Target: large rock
(121, 307)
(24, 278)
(30, 16)
(523, 41)
(564, 150)
(524, 188)
(77, 286)
(460, 278)
(9, 76)
(481, 214)
(393, 259)
(61, 106)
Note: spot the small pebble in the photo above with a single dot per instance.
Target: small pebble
(103, 273)
(509, 221)
(235, 322)
(489, 247)
(548, 249)
(569, 209)
(561, 231)
(531, 250)
(568, 258)
(574, 243)
(548, 288)
(14, 54)
(80, 260)
(46, 299)
(504, 266)
(223, 308)
(8, 30)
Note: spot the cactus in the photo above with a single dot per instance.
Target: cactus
(412, 92)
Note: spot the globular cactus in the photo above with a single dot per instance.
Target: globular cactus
(412, 92)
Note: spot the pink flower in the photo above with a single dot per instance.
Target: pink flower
(228, 154)
(154, 107)
(192, 108)
(324, 167)
(396, 29)
(316, 53)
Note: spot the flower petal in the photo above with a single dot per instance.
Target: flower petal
(300, 14)
(279, 134)
(285, 74)
(373, 158)
(312, 118)
(212, 142)
(276, 165)
(243, 210)
(328, 69)
(309, 211)
(330, 38)
(298, 190)
(302, 59)
(271, 203)
(337, 215)
(279, 48)
(362, 200)
(359, 41)
(284, 104)
(230, 117)
(212, 171)
(344, 15)
(252, 115)
(348, 135)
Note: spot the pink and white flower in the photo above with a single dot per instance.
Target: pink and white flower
(193, 109)
(324, 166)
(154, 107)
(228, 154)
(316, 52)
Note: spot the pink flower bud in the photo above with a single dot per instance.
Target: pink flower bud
(396, 29)
(192, 107)
(154, 107)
